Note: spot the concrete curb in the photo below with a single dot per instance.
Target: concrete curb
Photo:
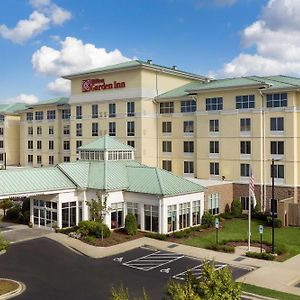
(2, 252)
(21, 288)
(250, 296)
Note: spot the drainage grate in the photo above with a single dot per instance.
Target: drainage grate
(239, 258)
(172, 246)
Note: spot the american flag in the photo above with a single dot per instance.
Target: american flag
(251, 188)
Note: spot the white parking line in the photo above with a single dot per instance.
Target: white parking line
(152, 261)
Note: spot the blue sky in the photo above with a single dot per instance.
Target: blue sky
(211, 37)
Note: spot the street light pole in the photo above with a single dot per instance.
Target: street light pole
(273, 208)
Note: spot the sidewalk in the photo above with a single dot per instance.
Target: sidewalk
(269, 274)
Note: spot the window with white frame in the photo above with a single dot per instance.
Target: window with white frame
(278, 171)
(39, 130)
(51, 114)
(277, 124)
(39, 145)
(95, 129)
(166, 108)
(245, 124)
(151, 218)
(78, 129)
(172, 212)
(30, 130)
(214, 203)
(130, 128)
(277, 100)
(214, 168)
(188, 126)
(196, 212)
(2, 131)
(167, 165)
(245, 170)
(66, 145)
(112, 128)
(245, 101)
(39, 159)
(214, 147)
(39, 115)
(29, 116)
(166, 127)
(117, 211)
(214, 126)
(2, 117)
(78, 112)
(30, 159)
(188, 146)
(133, 208)
(66, 114)
(131, 143)
(214, 103)
(184, 215)
(51, 145)
(66, 158)
(78, 144)
(277, 148)
(166, 146)
(51, 130)
(245, 203)
(29, 145)
(130, 109)
(68, 212)
(188, 167)
(245, 147)
(94, 111)
(66, 130)
(51, 160)
(188, 106)
(1, 144)
(112, 110)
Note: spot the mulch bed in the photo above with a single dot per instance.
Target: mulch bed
(7, 286)
(267, 248)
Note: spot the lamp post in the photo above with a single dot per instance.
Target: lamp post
(273, 208)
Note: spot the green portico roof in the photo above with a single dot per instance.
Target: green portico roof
(54, 101)
(106, 143)
(11, 108)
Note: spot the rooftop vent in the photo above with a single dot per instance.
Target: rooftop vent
(149, 61)
(174, 67)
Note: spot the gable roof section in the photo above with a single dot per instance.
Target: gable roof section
(106, 143)
(11, 108)
(33, 180)
(135, 64)
(54, 101)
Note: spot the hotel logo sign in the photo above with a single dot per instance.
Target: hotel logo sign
(91, 85)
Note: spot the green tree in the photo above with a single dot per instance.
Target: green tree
(236, 208)
(98, 207)
(131, 227)
(122, 293)
(6, 204)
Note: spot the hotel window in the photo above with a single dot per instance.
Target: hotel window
(68, 212)
(29, 145)
(214, 203)
(30, 130)
(39, 145)
(130, 128)
(51, 114)
(245, 124)
(196, 216)
(133, 208)
(213, 125)
(2, 118)
(166, 127)
(167, 165)
(29, 116)
(172, 212)
(94, 129)
(30, 159)
(188, 147)
(151, 218)
(66, 113)
(166, 108)
(184, 215)
(188, 106)
(39, 130)
(66, 145)
(78, 129)
(39, 159)
(245, 170)
(112, 128)
(2, 157)
(1, 144)
(278, 171)
(245, 203)
(112, 110)
(166, 146)
(214, 147)
(39, 115)
(188, 167)
(277, 148)
(130, 109)
(51, 145)
(245, 147)
(246, 101)
(277, 100)
(188, 126)
(66, 158)
(51, 160)
(78, 112)
(214, 168)
(94, 111)
(78, 144)
(51, 130)
(116, 215)
(1, 130)
(214, 103)
(66, 130)
(277, 124)
(131, 143)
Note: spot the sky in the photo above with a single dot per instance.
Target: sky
(41, 40)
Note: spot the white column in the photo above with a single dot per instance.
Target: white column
(142, 216)
(31, 211)
(191, 213)
(85, 211)
(177, 216)
(160, 217)
(59, 213)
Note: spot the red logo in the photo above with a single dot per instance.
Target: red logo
(86, 85)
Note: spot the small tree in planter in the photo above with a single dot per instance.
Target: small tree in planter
(131, 227)
(6, 204)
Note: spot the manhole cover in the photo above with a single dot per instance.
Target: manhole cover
(239, 258)
(172, 246)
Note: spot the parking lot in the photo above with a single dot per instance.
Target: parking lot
(51, 271)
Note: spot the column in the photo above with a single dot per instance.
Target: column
(177, 217)
(59, 214)
(142, 216)
(191, 213)
(160, 217)
(85, 211)
(31, 211)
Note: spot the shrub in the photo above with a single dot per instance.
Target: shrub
(277, 222)
(156, 236)
(90, 240)
(236, 208)
(227, 216)
(3, 244)
(6, 204)
(263, 255)
(182, 233)
(66, 230)
(221, 248)
(13, 213)
(131, 227)
(207, 220)
(93, 228)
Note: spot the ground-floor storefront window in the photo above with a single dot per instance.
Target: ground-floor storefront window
(117, 211)
(45, 213)
(133, 209)
(196, 213)
(172, 211)
(151, 217)
(214, 203)
(184, 215)
(68, 214)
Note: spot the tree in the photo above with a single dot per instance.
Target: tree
(131, 226)
(122, 293)
(98, 207)
(6, 204)
(236, 208)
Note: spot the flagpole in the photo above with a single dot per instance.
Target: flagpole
(249, 212)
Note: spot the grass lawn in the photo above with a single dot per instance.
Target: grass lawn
(7, 286)
(268, 293)
(238, 228)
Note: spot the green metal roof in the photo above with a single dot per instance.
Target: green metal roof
(106, 143)
(135, 63)
(12, 107)
(31, 180)
(54, 101)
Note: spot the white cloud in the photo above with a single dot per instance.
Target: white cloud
(24, 98)
(276, 38)
(60, 86)
(45, 14)
(74, 56)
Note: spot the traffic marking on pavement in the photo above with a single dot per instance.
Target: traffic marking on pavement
(196, 271)
(152, 261)
(118, 259)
